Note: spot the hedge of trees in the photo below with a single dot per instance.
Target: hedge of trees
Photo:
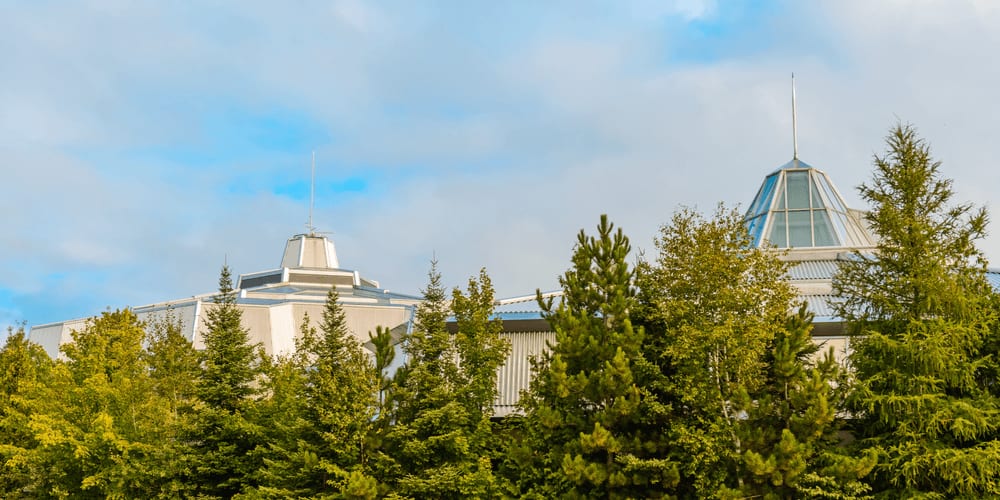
(689, 375)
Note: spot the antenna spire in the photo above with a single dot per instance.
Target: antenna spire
(312, 196)
(795, 132)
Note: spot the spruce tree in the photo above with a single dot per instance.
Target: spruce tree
(480, 349)
(320, 412)
(223, 436)
(583, 434)
(435, 445)
(921, 310)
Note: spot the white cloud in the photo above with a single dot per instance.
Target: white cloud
(490, 144)
(695, 9)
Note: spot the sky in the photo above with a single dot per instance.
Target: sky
(144, 144)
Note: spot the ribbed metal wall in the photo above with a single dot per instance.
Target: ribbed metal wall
(515, 374)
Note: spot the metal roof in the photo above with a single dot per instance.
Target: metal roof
(812, 269)
(821, 306)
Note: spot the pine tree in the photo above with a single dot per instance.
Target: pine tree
(223, 436)
(791, 428)
(921, 309)
(583, 433)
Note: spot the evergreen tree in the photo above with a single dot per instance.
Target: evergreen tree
(223, 436)
(583, 433)
(435, 445)
(921, 309)
(480, 348)
(174, 366)
(791, 428)
(385, 354)
(321, 409)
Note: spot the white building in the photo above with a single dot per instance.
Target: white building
(275, 301)
(797, 209)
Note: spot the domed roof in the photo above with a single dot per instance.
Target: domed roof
(798, 206)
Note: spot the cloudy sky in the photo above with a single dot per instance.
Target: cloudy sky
(143, 143)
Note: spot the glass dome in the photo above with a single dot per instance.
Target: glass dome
(798, 206)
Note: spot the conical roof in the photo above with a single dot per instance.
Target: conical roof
(798, 206)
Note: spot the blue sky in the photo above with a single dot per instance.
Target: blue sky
(142, 143)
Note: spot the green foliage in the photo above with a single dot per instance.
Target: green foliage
(481, 350)
(223, 437)
(791, 431)
(922, 310)
(93, 423)
(24, 372)
(751, 412)
(231, 363)
(174, 364)
(437, 443)
(583, 432)
(713, 305)
(319, 414)
(385, 354)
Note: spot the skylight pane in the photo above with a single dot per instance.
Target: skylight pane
(822, 229)
(798, 189)
(778, 236)
(832, 196)
(840, 226)
(817, 201)
(781, 197)
(763, 200)
(799, 229)
(755, 227)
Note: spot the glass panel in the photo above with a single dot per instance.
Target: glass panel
(840, 226)
(763, 200)
(756, 226)
(797, 184)
(832, 197)
(817, 202)
(778, 236)
(799, 229)
(781, 196)
(822, 229)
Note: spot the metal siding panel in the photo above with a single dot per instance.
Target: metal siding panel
(514, 375)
